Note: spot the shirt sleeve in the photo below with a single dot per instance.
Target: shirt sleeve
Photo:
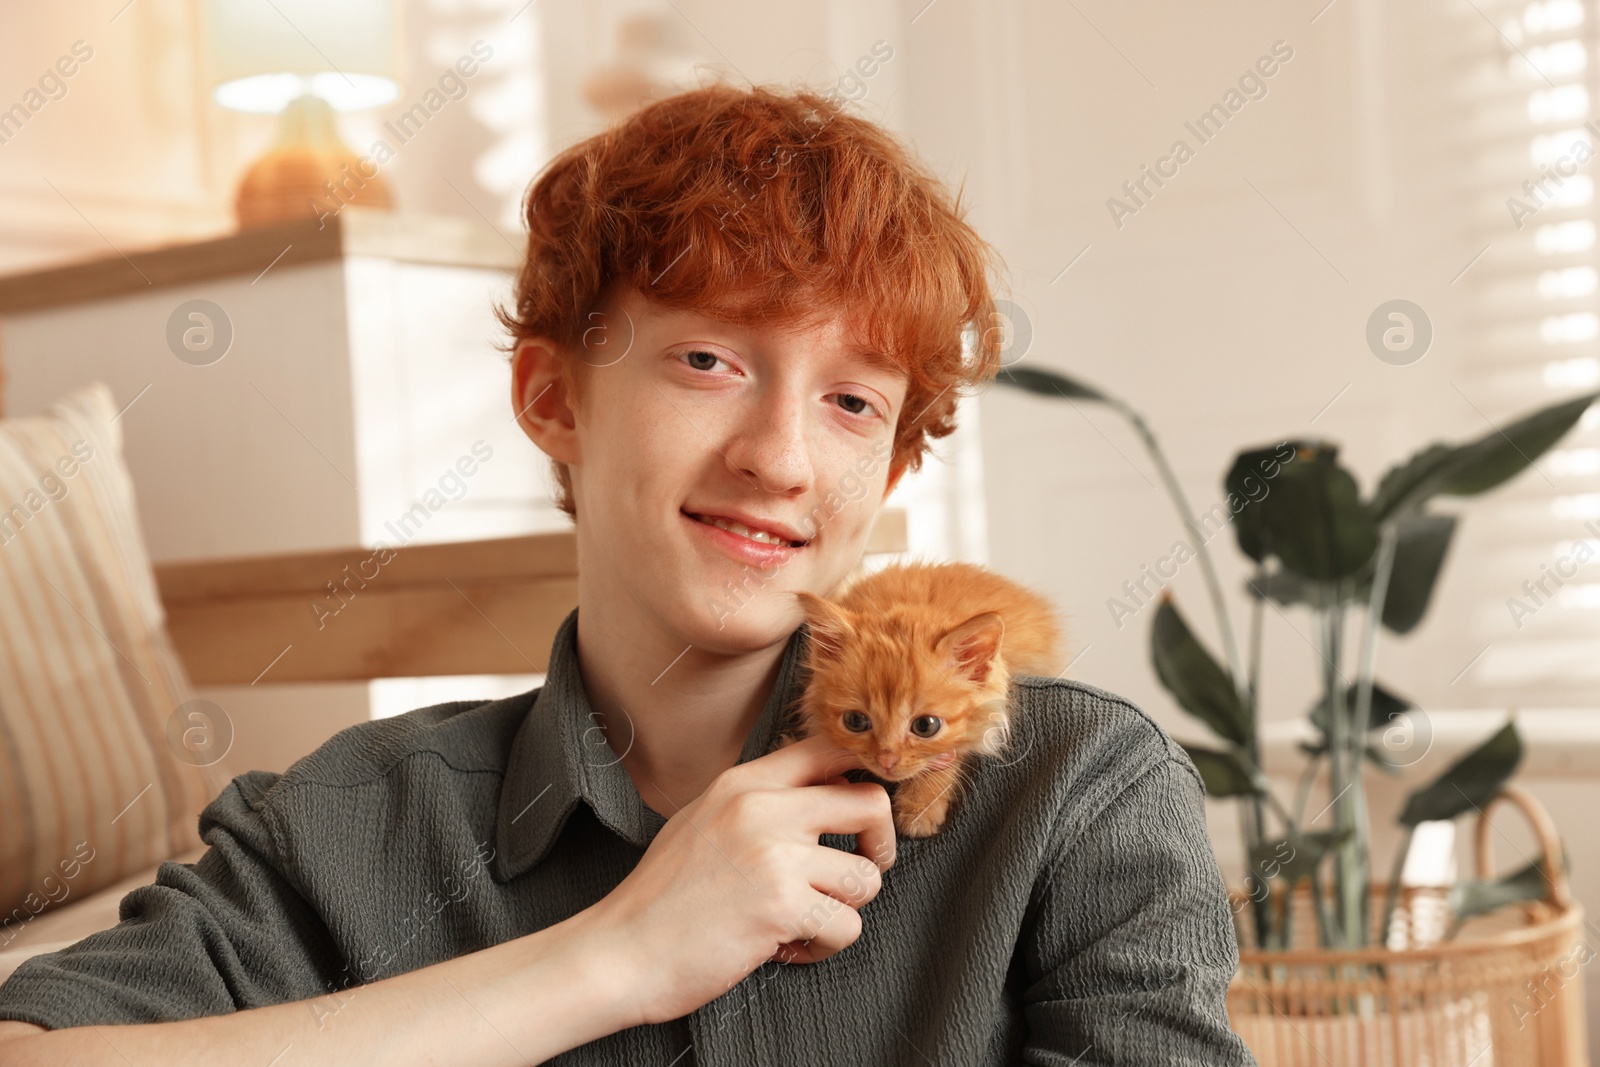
(227, 933)
(1132, 943)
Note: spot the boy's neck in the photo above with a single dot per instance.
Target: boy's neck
(677, 716)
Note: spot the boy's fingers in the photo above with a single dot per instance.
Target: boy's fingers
(810, 761)
(817, 761)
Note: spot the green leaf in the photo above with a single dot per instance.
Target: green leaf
(1285, 587)
(1469, 782)
(1313, 519)
(1419, 550)
(1224, 773)
(1500, 455)
(1477, 466)
(1309, 850)
(1386, 704)
(1047, 383)
(1472, 898)
(1408, 484)
(1421, 543)
(1193, 677)
(1296, 856)
(1247, 483)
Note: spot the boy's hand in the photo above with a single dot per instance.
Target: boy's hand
(738, 875)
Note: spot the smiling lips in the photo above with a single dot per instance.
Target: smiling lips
(773, 534)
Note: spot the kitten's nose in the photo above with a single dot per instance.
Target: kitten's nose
(888, 760)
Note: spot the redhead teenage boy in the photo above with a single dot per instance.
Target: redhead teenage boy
(740, 321)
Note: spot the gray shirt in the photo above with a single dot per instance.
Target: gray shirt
(1070, 912)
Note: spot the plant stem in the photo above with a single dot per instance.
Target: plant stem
(1256, 612)
(1352, 803)
(1258, 909)
(1319, 901)
(1243, 686)
(1337, 747)
(1213, 586)
(1393, 895)
(1365, 669)
(1349, 802)
(1302, 791)
(1289, 824)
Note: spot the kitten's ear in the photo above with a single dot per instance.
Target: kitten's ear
(830, 626)
(971, 648)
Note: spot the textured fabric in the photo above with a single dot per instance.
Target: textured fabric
(1070, 912)
(91, 791)
(61, 926)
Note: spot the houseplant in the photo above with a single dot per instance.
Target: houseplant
(1317, 545)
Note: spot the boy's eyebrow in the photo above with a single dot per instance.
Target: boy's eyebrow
(876, 359)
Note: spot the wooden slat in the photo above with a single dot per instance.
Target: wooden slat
(473, 607)
(530, 556)
(446, 628)
(354, 231)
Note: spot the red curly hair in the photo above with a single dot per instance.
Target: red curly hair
(766, 205)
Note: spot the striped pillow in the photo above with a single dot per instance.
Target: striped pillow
(91, 789)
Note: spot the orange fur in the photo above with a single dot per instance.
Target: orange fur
(915, 641)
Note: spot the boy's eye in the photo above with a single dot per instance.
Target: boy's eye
(700, 359)
(696, 356)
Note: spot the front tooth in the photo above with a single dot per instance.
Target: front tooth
(744, 531)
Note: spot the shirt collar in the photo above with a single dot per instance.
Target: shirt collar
(560, 756)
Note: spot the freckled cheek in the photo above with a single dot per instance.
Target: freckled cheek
(631, 463)
(855, 483)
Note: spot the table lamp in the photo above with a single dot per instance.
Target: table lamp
(303, 60)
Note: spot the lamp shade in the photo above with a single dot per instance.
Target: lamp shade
(267, 52)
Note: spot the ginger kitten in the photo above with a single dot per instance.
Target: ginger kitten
(910, 668)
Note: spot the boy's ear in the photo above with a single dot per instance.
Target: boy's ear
(542, 402)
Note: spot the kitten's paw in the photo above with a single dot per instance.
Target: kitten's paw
(921, 820)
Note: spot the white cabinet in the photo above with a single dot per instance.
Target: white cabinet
(360, 396)
(340, 386)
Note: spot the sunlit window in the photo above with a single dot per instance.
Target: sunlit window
(1561, 104)
(1543, 344)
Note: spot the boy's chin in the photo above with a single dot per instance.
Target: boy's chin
(760, 623)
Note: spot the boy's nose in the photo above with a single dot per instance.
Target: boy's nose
(772, 451)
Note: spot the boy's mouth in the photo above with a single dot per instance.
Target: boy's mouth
(773, 534)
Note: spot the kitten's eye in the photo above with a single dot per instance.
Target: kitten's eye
(856, 722)
(926, 725)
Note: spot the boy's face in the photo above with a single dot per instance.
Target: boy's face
(685, 418)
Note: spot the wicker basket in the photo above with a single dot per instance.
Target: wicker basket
(1507, 991)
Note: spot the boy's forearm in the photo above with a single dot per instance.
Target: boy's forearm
(516, 1003)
